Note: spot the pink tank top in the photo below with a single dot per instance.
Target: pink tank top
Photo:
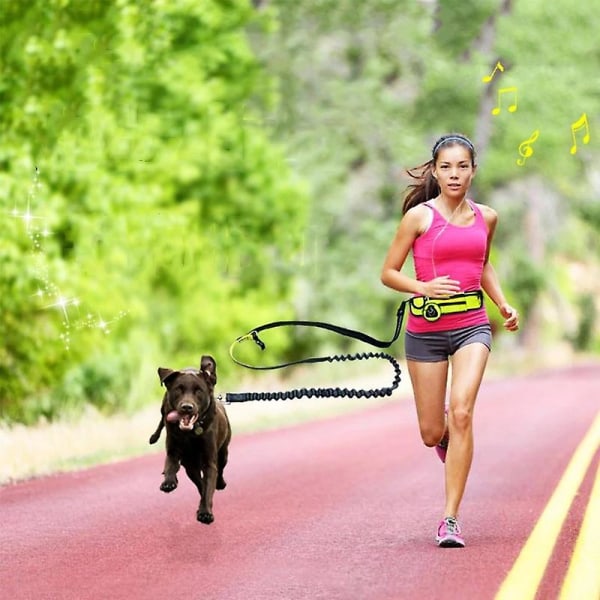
(459, 252)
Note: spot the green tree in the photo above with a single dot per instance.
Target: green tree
(166, 219)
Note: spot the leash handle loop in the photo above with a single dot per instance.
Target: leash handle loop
(351, 333)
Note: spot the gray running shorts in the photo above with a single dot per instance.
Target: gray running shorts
(437, 346)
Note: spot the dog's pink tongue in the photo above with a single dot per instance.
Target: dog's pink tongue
(173, 416)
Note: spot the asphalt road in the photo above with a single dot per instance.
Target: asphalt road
(340, 509)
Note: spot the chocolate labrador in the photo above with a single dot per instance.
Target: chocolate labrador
(198, 432)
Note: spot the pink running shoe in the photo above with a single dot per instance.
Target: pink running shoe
(449, 535)
(442, 448)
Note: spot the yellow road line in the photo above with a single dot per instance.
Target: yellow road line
(524, 578)
(583, 577)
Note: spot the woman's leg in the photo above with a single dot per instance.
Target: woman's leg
(468, 366)
(429, 387)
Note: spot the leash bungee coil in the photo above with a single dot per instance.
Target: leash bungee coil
(322, 392)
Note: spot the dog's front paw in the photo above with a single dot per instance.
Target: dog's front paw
(168, 485)
(221, 483)
(205, 517)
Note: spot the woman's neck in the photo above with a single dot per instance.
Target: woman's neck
(449, 207)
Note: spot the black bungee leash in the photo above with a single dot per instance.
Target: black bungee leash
(321, 392)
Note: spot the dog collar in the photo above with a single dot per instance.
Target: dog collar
(199, 424)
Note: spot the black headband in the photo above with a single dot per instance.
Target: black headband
(452, 138)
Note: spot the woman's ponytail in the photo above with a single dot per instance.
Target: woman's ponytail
(424, 189)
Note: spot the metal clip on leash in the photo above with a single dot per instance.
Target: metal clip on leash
(321, 392)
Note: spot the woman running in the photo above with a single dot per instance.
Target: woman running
(450, 238)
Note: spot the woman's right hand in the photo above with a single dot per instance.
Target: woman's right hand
(441, 287)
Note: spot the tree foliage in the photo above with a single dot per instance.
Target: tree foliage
(158, 205)
(173, 173)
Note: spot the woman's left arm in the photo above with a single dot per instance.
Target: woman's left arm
(489, 278)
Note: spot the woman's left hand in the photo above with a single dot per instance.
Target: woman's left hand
(511, 315)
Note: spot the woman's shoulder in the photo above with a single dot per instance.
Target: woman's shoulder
(419, 210)
(419, 217)
(489, 214)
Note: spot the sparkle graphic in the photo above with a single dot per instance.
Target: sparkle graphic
(63, 303)
(28, 217)
(97, 322)
(48, 294)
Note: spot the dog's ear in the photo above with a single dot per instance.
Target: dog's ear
(164, 374)
(208, 367)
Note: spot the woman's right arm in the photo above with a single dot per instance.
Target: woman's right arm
(409, 229)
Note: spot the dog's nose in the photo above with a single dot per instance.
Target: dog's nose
(186, 407)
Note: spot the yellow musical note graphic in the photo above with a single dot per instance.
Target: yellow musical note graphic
(525, 148)
(512, 107)
(499, 67)
(581, 123)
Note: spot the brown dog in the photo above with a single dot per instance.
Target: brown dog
(198, 432)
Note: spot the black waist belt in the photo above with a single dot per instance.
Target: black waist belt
(431, 309)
